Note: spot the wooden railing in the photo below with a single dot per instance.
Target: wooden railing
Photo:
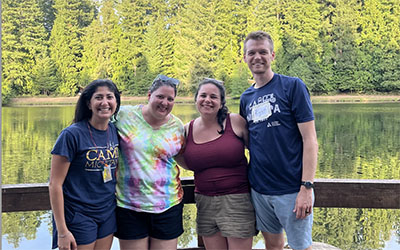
(344, 193)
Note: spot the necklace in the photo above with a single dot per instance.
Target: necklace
(91, 136)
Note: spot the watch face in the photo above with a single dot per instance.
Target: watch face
(307, 184)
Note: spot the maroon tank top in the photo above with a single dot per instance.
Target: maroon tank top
(220, 165)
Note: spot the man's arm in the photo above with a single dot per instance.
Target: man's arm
(304, 203)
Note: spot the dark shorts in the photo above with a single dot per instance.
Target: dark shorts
(132, 225)
(86, 229)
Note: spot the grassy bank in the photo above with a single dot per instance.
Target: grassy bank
(23, 101)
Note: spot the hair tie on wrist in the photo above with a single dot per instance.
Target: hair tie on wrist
(62, 235)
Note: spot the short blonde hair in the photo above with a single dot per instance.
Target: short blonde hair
(258, 35)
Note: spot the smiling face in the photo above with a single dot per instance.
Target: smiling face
(208, 100)
(102, 104)
(161, 102)
(259, 56)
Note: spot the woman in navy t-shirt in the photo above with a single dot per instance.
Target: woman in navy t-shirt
(82, 177)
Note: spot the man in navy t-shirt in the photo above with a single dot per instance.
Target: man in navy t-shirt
(283, 148)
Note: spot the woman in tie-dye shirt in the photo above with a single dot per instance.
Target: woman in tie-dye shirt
(149, 191)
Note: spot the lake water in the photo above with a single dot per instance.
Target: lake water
(357, 141)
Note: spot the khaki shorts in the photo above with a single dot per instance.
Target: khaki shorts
(232, 215)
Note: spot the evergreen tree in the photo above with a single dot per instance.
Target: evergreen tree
(379, 38)
(12, 50)
(333, 45)
(143, 77)
(195, 49)
(23, 40)
(239, 81)
(301, 24)
(66, 44)
(267, 17)
(344, 36)
(123, 64)
(227, 46)
(134, 16)
(390, 62)
(48, 11)
(100, 43)
(158, 43)
(44, 75)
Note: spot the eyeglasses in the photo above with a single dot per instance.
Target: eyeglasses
(212, 80)
(166, 79)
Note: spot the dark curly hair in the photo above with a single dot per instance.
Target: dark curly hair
(223, 111)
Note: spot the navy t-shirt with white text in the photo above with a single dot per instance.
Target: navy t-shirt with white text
(88, 150)
(272, 113)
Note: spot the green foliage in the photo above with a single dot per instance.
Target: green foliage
(142, 79)
(23, 42)
(45, 76)
(300, 68)
(239, 81)
(66, 41)
(333, 45)
(49, 14)
(99, 44)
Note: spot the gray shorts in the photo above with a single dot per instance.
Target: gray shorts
(232, 215)
(275, 213)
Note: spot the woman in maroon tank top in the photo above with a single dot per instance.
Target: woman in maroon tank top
(215, 151)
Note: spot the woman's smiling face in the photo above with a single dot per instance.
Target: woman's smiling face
(161, 101)
(208, 100)
(102, 103)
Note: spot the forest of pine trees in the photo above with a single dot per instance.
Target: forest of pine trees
(56, 47)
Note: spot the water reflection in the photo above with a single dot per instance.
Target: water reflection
(360, 141)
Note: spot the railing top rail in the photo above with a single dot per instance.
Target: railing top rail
(347, 193)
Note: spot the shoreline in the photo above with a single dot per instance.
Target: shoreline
(35, 101)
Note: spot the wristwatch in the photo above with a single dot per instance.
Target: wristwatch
(307, 184)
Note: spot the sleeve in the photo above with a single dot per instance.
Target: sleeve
(66, 145)
(301, 102)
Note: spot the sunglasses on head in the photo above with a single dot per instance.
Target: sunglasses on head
(212, 80)
(166, 79)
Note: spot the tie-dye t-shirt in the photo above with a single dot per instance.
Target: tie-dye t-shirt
(147, 175)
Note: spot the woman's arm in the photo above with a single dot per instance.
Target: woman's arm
(179, 158)
(58, 172)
